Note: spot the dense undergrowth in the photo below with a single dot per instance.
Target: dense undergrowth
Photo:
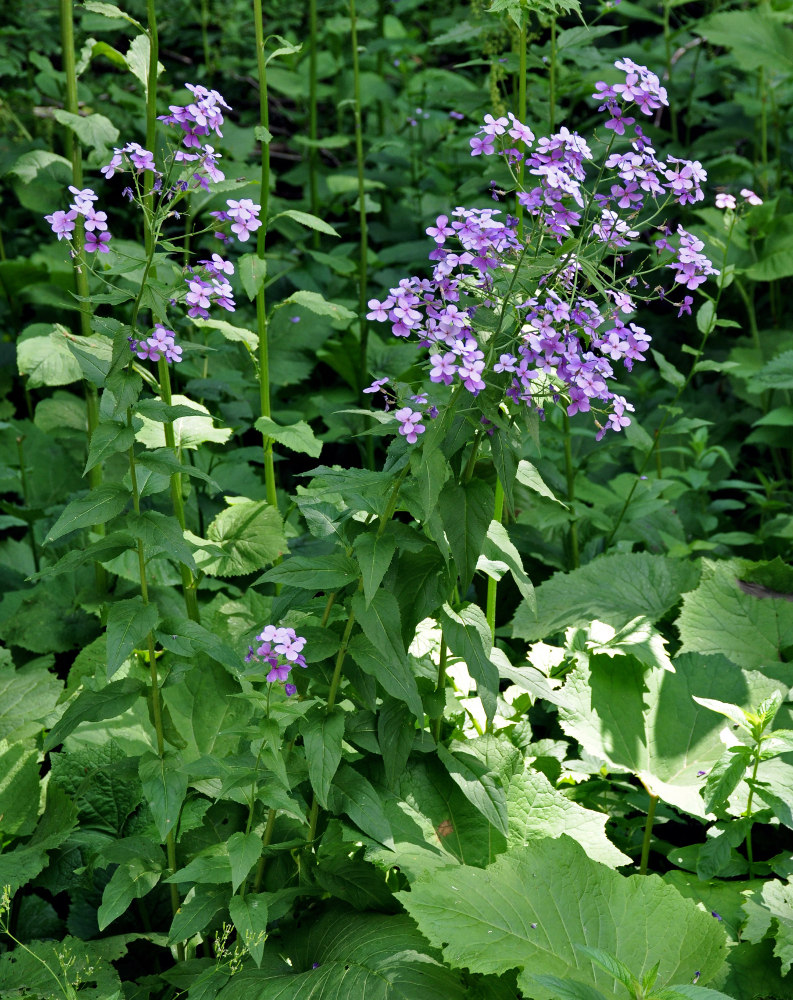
(395, 482)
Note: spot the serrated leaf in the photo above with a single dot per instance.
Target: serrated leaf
(395, 734)
(197, 911)
(262, 134)
(107, 438)
(94, 131)
(93, 706)
(249, 915)
(234, 334)
(640, 585)
(354, 795)
(467, 635)
(97, 507)
(189, 431)
(132, 880)
(110, 10)
(253, 272)
(478, 785)
(466, 512)
(46, 359)
(164, 782)
(297, 437)
(498, 545)
(319, 305)
(308, 220)
(128, 624)
(328, 572)
(537, 903)
(528, 475)
(374, 554)
(249, 535)
(383, 654)
(322, 737)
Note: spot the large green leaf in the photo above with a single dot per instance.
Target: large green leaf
(613, 589)
(97, 507)
(131, 880)
(647, 722)
(27, 696)
(466, 512)
(93, 706)
(189, 431)
(532, 907)
(164, 782)
(756, 38)
(732, 612)
(128, 624)
(467, 635)
(247, 536)
(772, 904)
(536, 809)
(297, 437)
(19, 787)
(322, 736)
(94, 131)
(45, 357)
(362, 956)
(249, 914)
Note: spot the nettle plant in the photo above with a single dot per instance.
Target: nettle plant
(278, 822)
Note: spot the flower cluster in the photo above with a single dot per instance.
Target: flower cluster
(203, 115)
(281, 649)
(244, 218)
(213, 288)
(94, 223)
(140, 159)
(162, 342)
(557, 338)
(724, 200)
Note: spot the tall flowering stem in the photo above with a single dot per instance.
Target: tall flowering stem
(156, 697)
(362, 225)
(313, 160)
(151, 123)
(261, 241)
(80, 273)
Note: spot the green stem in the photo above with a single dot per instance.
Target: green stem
(492, 585)
(570, 474)
(748, 812)
(156, 698)
(359, 157)
(440, 684)
(261, 243)
(521, 113)
(151, 123)
(26, 498)
(313, 157)
(648, 832)
(668, 50)
(205, 19)
(74, 153)
(177, 500)
(552, 78)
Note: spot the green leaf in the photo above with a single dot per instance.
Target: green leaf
(538, 903)
(308, 220)
(112, 11)
(234, 334)
(128, 624)
(322, 737)
(421, 490)
(297, 437)
(94, 356)
(353, 794)
(611, 964)
(639, 584)
(528, 475)
(160, 533)
(568, 989)
(363, 956)
(93, 706)
(536, 809)
(249, 535)
(164, 782)
(320, 306)
(249, 915)
(328, 572)
(262, 134)
(138, 58)
(132, 880)
(776, 373)
(189, 432)
(776, 898)
(755, 38)
(383, 655)
(198, 910)
(668, 371)
(28, 695)
(732, 712)
(498, 546)
(374, 554)
(97, 507)
(19, 787)
(94, 130)
(724, 778)
(466, 512)
(468, 636)
(396, 732)
(46, 359)
(646, 722)
(482, 789)
(253, 272)
(107, 438)
(731, 612)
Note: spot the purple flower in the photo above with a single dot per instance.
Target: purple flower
(376, 385)
(197, 119)
(97, 242)
(751, 197)
(62, 223)
(409, 425)
(245, 218)
(280, 649)
(724, 200)
(685, 306)
(481, 147)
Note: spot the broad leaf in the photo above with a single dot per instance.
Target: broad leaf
(466, 512)
(131, 880)
(97, 507)
(250, 535)
(467, 635)
(297, 437)
(249, 914)
(164, 783)
(536, 903)
(322, 737)
(128, 624)
(374, 554)
(478, 784)
(46, 358)
(612, 589)
(352, 794)
(93, 706)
